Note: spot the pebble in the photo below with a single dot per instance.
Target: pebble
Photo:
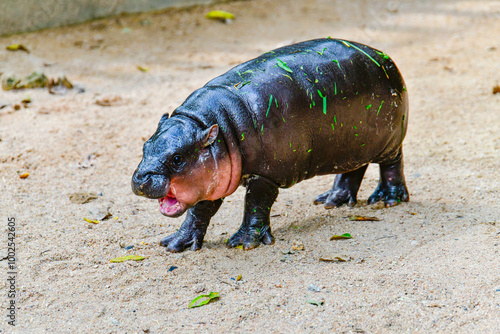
(100, 211)
(298, 246)
(286, 257)
(313, 287)
(199, 288)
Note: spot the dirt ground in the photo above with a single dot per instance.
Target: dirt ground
(430, 265)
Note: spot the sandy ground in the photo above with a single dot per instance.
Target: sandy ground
(430, 265)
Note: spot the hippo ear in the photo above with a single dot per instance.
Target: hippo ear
(164, 118)
(209, 135)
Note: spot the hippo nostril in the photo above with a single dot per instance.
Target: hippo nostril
(140, 181)
(149, 184)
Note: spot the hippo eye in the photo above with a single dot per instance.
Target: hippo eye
(177, 160)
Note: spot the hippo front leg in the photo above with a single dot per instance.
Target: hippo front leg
(255, 229)
(194, 227)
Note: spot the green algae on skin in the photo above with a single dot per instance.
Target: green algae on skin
(382, 54)
(283, 65)
(321, 52)
(270, 102)
(240, 85)
(380, 107)
(337, 62)
(362, 51)
(387, 75)
(324, 101)
(368, 106)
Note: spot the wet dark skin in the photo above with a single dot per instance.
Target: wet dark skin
(319, 107)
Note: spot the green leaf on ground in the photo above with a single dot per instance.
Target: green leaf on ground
(211, 296)
(142, 68)
(341, 237)
(220, 15)
(126, 258)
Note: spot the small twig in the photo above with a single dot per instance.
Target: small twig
(387, 236)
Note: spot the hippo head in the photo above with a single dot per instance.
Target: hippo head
(182, 164)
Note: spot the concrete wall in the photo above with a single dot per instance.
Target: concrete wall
(29, 15)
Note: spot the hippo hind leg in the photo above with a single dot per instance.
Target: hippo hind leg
(255, 229)
(392, 186)
(344, 191)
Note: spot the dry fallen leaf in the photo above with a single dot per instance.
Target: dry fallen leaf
(126, 258)
(24, 175)
(496, 89)
(17, 47)
(82, 197)
(335, 258)
(59, 86)
(26, 101)
(109, 101)
(316, 302)
(91, 221)
(220, 15)
(10, 83)
(363, 218)
(341, 237)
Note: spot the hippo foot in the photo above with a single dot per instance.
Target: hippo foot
(391, 195)
(251, 237)
(336, 198)
(182, 239)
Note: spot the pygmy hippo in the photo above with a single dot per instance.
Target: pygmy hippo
(319, 107)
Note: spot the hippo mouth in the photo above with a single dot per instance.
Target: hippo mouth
(170, 206)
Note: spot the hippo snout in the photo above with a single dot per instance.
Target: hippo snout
(150, 185)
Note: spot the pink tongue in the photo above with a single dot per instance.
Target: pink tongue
(171, 201)
(168, 204)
